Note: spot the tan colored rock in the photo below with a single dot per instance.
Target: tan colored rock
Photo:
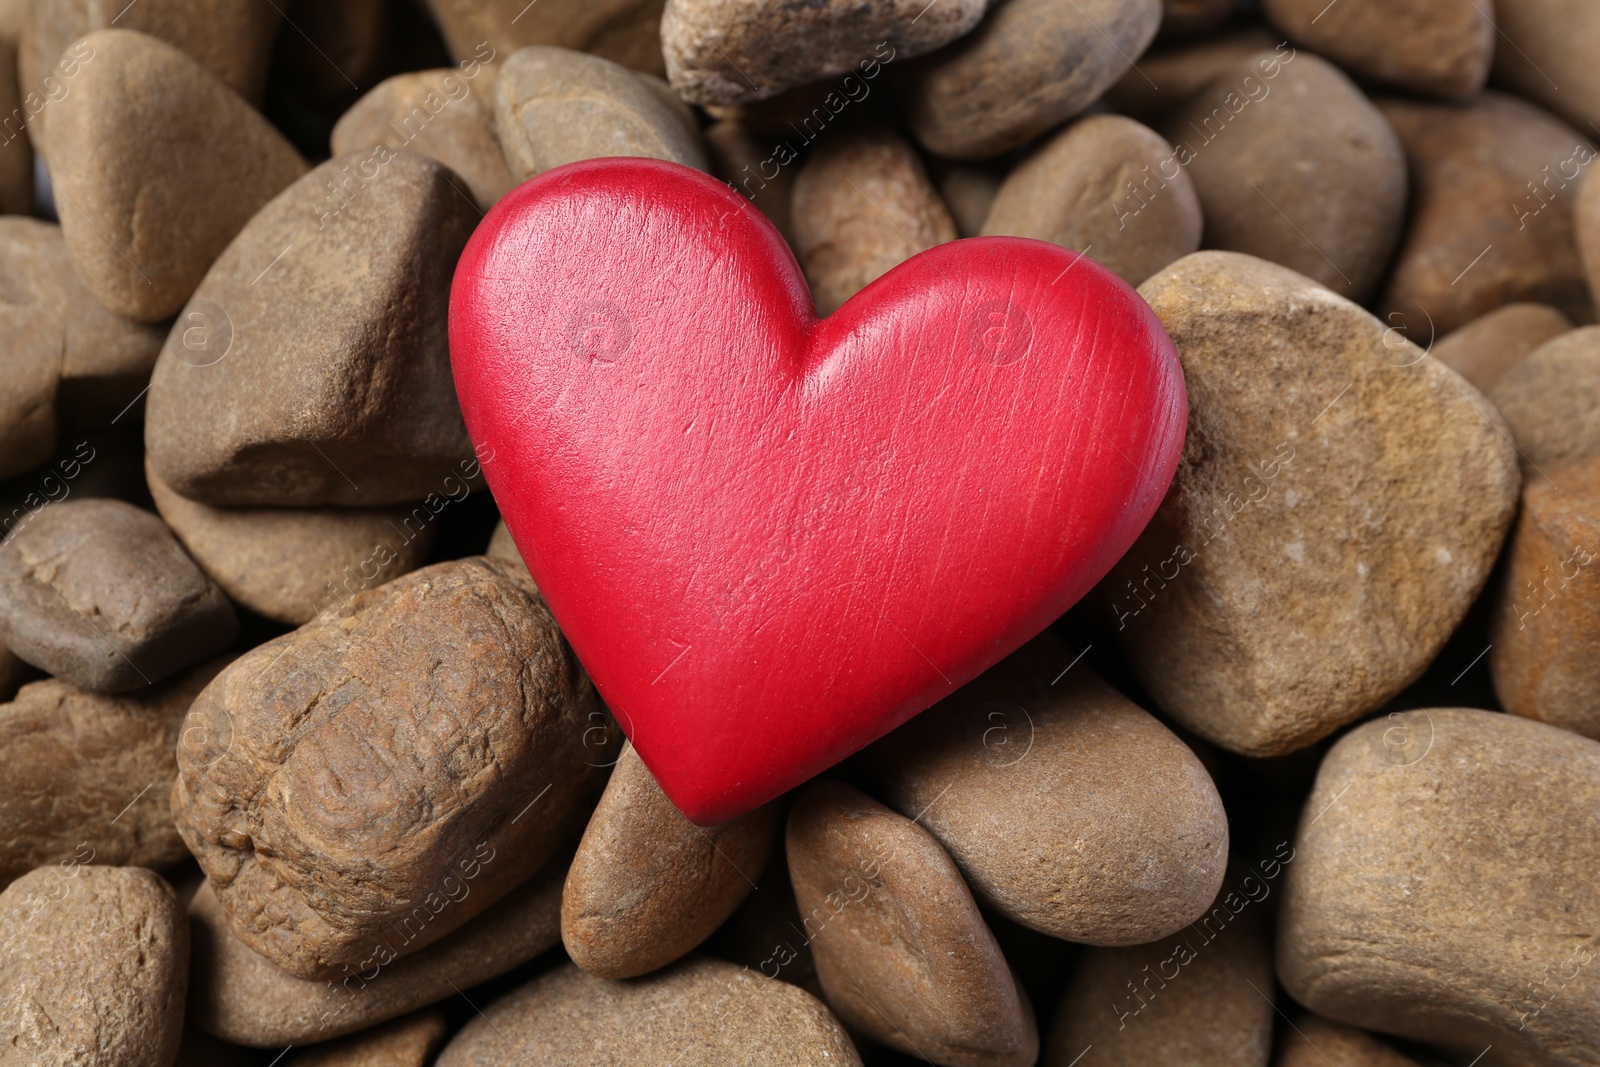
(701, 1013)
(1294, 165)
(1493, 186)
(1109, 188)
(1420, 46)
(1339, 504)
(410, 1041)
(1028, 66)
(1545, 634)
(104, 359)
(750, 164)
(349, 400)
(647, 885)
(1069, 809)
(555, 106)
(93, 966)
(901, 950)
(290, 564)
(1202, 998)
(862, 205)
(1191, 18)
(16, 151)
(87, 776)
(1546, 54)
(1169, 75)
(1316, 1042)
(100, 593)
(244, 998)
(1549, 399)
(623, 31)
(730, 51)
(1445, 866)
(443, 114)
(157, 165)
(1488, 346)
(379, 761)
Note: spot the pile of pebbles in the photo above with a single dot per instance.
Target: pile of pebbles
(296, 767)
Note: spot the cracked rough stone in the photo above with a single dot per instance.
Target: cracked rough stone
(623, 31)
(1488, 346)
(406, 1042)
(1493, 189)
(243, 997)
(555, 106)
(731, 51)
(1029, 65)
(365, 792)
(862, 205)
(100, 593)
(289, 564)
(1549, 399)
(443, 114)
(901, 950)
(348, 400)
(647, 885)
(700, 1013)
(93, 966)
(1109, 188)
(161, 165)
(1444, 885)
(1295, 165)
(1420, 46)
(1068, 808)
(87, 776)
(1339, 504)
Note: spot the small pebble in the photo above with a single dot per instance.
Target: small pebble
(1551, 400)
(1488, 346)
(1028, 66)
(159, 165)
(701, 1013)
(1169, 75)
(902, 952)
(623, 31)
(1546, 53)
(93, 966)
(1419, 46)
(1444, 886)
(555, 106)
(410, 1041)
(1315, 1042)
(968, 190)
(88, 776)
(100, 593)
(862, 205)
(1109, 188)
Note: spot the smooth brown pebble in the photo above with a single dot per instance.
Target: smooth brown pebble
(443, 114)
(1546, 53)
(243, 997)
(730, 51)
(1202, 999)
(1293, 164)
(1420, 46)
(1277, 595)
(365, 801)
(1109, 188)
(161, 165)
(901, 950)
(1544, 653)
(554, 106)
(93, 967)
(1169, 75)
(647, 885)
(410, 1041)
(1316, 1042)
(88, 776)
(701, 1013)
(862, 205)
(100, 593)
(1069, 809)
(1447, 866)
(290, 564)
(623, 31)
(349, 400)
(1493, 188)
(1551, 399)
(1488, 346)
(1029, 65)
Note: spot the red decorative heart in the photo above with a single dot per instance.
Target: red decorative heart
(772, 539)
